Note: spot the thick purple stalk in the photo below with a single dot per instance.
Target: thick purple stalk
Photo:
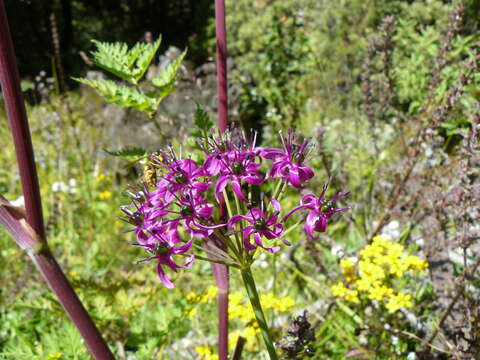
(221, 64)
(13, 219)
(40, 254)
(221, 271)
(12, 95)
(221, 277)
(54, 276)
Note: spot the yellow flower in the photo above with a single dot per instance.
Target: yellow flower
(105, 195)
(206, 353)
(55, 356)
(348, 269)
(191, 313)
(250, 334)
(398, 301)
(415, 262)
(380, 262)
(101, 177)
(235, 298)
(233, 338)
(352, 296)
(379, 292)
(209, 295)
(269, 301)
(192, 296)
(340, 290)
(371, 270)
(347, 264)
(241, 312)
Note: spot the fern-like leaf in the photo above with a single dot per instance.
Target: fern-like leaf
(203, 122)
(128, 64)
(113, 57)
(145, 58)
(167, 76)
(122, 95)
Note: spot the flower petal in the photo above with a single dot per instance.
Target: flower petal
(238, 190)
(246, 238)
(310, 223)
(321, 224)
(181, 249)
(205, 211)
(221, 184)
(163, 277)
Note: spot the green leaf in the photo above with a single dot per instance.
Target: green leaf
(26, 85)
(145, 58)
(132, 154)
(202, 120)
(128, 64)
(167, 76)
(123, 96)
(114, 58)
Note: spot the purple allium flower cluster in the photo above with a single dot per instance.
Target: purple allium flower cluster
(221, 198)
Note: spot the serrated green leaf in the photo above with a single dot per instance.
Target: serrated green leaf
(122, 96)
(145, 58)
(202, 119)
(114, 58)
(133, 154)
(134, 53)
(167, 76)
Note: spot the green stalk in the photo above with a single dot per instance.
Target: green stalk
(238, 241)
(257, 309)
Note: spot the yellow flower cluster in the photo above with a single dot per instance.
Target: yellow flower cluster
(240, 308)
(209, 295)
(102, 177)
(206, 353)
(105, 195)
(380, 262)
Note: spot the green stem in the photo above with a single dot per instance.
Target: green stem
(217, 261)
(292, 227)
(238, 241)
(257, 309)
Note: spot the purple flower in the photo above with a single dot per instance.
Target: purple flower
(238, 166)
(260, 225)
(197, 213)
(164, 249)
(181, 175)
(289, 163)
(321, 210)
(145, 214)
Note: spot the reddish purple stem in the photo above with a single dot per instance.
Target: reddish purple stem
(221, 64)
(12, 95)
(45, 261)
(221, 271)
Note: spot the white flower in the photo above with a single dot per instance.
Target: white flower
(392, 229)
(420, 242)
(59, 186)
(411, 356)
(337, 250)
(394, 340)
(72, 183)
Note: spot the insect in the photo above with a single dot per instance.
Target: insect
(150, 175)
